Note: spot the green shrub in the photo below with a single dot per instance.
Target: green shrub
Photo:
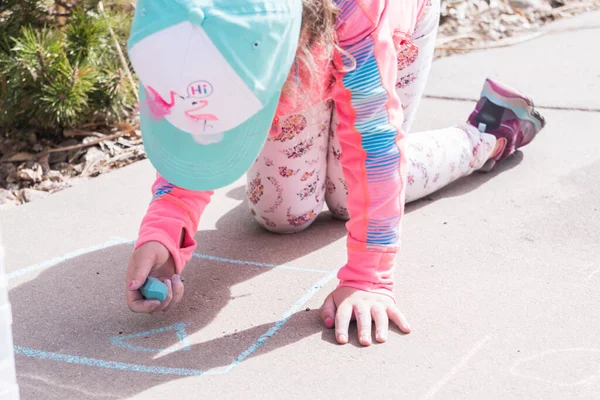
(55, 78)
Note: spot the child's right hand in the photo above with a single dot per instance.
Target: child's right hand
(152, 259)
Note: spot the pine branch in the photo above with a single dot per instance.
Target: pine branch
(121, 56)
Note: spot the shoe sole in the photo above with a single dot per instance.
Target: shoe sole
(518, 105)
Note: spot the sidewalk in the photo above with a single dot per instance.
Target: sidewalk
(499, 274)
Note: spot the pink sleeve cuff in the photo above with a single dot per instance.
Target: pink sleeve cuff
(370, 270)
(167, 222)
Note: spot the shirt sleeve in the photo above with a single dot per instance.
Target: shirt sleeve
(172, 219)
(372, 143)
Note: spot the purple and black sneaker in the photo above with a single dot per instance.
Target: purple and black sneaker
(508, 115)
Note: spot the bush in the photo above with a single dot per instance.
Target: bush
(54, 77)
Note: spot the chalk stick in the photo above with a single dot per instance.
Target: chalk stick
(154, 289)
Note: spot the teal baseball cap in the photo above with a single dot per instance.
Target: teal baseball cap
(210, 76)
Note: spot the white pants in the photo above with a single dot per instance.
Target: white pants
(299, 171)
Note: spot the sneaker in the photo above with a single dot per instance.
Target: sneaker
(508, 115)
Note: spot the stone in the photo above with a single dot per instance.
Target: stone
(50, 186)
(7, 198)
(30, 174)
(29, 195)
(8, 173)
(60, 166)
(94, 156)
(77, 169)
(31, 138)
(525, 4)
(63, 156)
(58, 158)
(55, 176)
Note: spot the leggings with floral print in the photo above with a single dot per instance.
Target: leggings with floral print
(299, 171)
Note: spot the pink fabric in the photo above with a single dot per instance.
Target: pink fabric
(402, 17)
(173, 216)
(172, 219)
(375, 194)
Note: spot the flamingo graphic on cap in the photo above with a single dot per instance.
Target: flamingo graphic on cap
(186, 113)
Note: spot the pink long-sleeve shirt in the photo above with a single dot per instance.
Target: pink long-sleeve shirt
(371, 138)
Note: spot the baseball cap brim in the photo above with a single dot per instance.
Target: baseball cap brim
(211, 75)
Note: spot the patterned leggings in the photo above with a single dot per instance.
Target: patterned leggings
(299, 171)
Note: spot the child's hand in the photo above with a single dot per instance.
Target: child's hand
(346, 303)
(152, 259)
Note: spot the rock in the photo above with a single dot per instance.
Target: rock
(93, 158)
(525, 4)
(51, 187)
(29, 195)
(77, 169)
(30, 172)
(43, 160)
(61, 166)
(30, 164)
(55, 176)
(32, 138)
(63, 156)
(58, 158)
(7, 198)
(8, 173)
(557, 3)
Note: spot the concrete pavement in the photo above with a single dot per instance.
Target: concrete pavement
(499, 274)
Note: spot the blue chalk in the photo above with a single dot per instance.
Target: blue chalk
(154, 289)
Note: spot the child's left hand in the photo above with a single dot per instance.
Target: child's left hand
(345, 304)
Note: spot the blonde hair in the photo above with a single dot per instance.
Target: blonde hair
(318, 26)
(318, 33)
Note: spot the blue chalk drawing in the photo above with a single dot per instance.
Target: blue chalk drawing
(116, 241)
(94, 362)
(65, 257)
(283, 320)
(257, 264)
(178, 328)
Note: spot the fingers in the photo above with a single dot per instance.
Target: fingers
(169, 298)
(141, 263)
(363, 322)
(398, 318)
(177, 285)
(381, 322)
(342, 322)
(328, 312)
(347, 303)
(138, 304)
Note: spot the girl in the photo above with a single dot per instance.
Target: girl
(339, 137)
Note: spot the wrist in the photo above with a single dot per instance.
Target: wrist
(368, 287)
(168, 224)
(369, 268)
